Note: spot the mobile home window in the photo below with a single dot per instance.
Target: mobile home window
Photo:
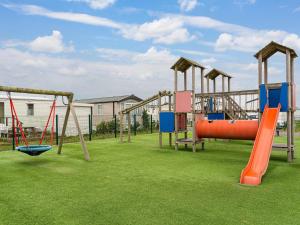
(30, 110)
(100, 110)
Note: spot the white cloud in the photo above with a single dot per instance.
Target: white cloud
(67, 16)
(166, 30)
(155, 56)
(253, 40)
(187, 5)
(209, 60)
(53, 43)
(296, 10)
(143, 74)
(48, 44)
(96, 4)
(172, 29)
(242, 3)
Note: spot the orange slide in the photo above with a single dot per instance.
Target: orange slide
(260, 155)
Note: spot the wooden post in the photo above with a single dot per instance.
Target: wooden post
(70, 99)
(228, 85)
(185, 88)
(159, 110)
(83, 145)
(289, 114)
(174, 106)
(223, 90)
(215, 89)
(170, 108)
(129, 127)
(202, 90)
(193, 109)
(292, 111)
(207, 84)
(259, 82)
(266, 71)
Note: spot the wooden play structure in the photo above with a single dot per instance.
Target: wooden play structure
(185, 102)
(242, 115)
(129, 111)
(210, 118)
(35, 150)
(269, 91)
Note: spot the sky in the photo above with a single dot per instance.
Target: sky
(98, 48)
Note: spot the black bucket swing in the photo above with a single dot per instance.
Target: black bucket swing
(32, 150)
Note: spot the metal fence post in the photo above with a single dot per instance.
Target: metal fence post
(151, 122)
(90, 127)
(115, 130)
(134, 124)
(56, 129)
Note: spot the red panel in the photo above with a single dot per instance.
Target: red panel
(184, 101)
(182, 121)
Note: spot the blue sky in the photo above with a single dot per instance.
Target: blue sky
(114, 47)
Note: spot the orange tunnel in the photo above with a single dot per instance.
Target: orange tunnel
(227, 129)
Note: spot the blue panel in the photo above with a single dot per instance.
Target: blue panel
(215, 116)
(262, 97)
(274, 97)
(166, 122)
(210, 104)
(284, 97)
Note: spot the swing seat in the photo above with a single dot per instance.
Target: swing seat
(34, 150)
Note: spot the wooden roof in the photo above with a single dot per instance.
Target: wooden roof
(272, 48)
(214, 73)
(184, 64)
(110, 99)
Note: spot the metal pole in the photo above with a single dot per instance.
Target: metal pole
(151, 129)
(115, 117)
(90, 130)
(56, 129)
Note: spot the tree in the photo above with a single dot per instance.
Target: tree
(145, 119)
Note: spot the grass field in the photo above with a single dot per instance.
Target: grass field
(139, 183)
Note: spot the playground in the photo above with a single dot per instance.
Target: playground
(212, 161)
(139, 183)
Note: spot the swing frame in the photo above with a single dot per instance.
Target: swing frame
(70, 109)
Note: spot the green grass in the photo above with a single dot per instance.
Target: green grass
(139, 183)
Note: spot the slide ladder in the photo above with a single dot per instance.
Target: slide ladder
(260, 155)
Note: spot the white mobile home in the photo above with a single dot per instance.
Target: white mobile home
(33, 112)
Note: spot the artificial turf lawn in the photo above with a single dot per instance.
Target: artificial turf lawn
(139, 183)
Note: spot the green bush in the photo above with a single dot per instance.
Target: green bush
(107, 127)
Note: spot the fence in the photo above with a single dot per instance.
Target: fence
(92, 126)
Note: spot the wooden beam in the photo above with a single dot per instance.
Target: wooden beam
(174, 107)
(266, 71)
(159, 110)
(83, 145)
(193, 109)
(34, 91)
(223, 91)
(170, 108)
(202, 89)
(185, 81)
(289, 112)
(207, 84)
(129, 127)
(259, 79)
(70, 99)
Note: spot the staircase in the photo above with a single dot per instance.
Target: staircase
(233, 110)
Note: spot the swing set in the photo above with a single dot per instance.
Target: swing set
(35, 150)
